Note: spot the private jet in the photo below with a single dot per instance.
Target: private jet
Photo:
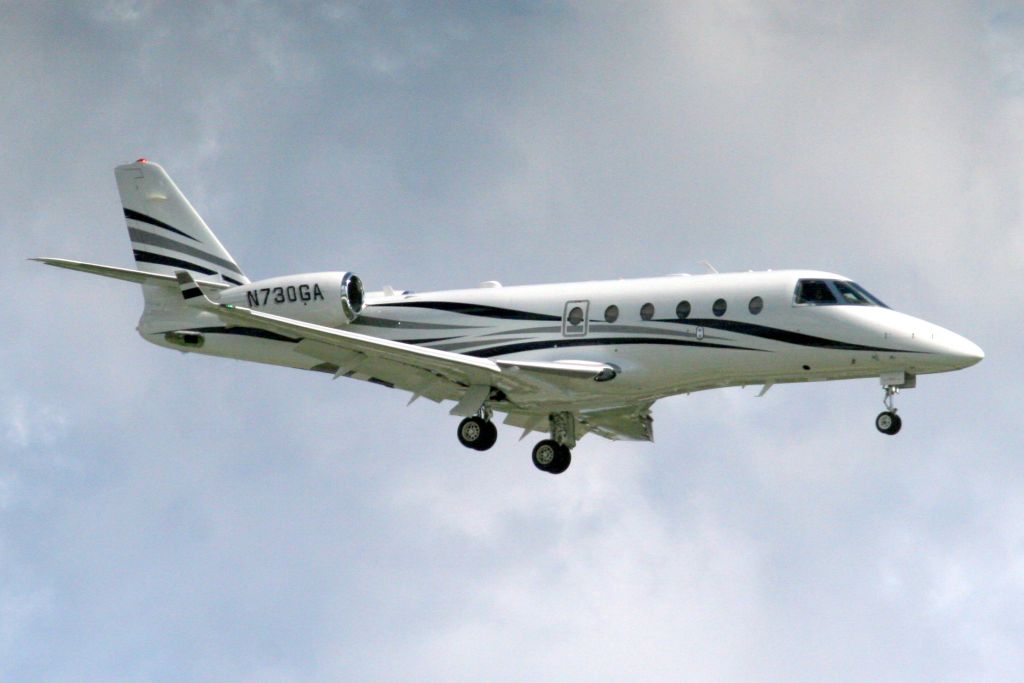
(565, 359)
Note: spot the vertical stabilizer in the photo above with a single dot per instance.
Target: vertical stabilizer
(166, 232)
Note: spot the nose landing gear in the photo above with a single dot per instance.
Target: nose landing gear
(888, 422)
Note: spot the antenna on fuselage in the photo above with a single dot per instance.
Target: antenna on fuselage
(707, 264)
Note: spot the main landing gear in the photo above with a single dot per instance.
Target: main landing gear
(888, 422)
(554, 455)
(478, 432)
(550, 455)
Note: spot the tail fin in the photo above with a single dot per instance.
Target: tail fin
(166, 232)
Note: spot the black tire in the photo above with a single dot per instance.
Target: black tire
(546, 454)
(472, 431)
(488, 438)
(888, 423)
(562, 463)
(897, 424)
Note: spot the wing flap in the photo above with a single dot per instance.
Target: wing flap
(629, 423)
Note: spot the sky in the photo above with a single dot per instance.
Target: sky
(168, 517)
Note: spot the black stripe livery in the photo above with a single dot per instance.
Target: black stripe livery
(191, 293)
(149, 257)
(475, 309)
(152, 240)
(776, 334)
(135, 215)
(612, 341)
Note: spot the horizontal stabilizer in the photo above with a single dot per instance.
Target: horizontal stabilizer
(127, 274)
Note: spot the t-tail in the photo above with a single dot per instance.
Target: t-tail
(167, 236)
(170, 240)
(167, 233)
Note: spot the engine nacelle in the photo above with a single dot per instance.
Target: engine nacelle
(330, 299)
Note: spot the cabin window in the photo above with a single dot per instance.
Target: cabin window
(611, 314)
(756, 305)
(575, 316)
(647, 311)
(683, 310)
(719, 307)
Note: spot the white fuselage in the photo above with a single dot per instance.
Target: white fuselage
(660, 352)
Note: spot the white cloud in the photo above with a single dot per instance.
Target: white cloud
(31, 425)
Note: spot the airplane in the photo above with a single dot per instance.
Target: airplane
(567, 359)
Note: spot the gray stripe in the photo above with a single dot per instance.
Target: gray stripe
(370, 321)
(454, 346)
(544, 329)
(605, 328)
(149, 238)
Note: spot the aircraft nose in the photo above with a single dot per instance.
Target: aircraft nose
(961, 352)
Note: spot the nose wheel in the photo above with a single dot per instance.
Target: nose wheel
(888, 422)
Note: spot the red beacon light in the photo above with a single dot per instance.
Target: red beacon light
(142, 160)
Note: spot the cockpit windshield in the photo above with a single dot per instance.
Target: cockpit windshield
(833, 293)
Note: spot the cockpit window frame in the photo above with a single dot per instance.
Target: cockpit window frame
(798, 299)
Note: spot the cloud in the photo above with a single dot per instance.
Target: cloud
(164, 516)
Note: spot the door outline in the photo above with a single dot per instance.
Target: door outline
(580, 329)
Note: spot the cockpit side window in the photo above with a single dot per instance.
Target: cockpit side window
(833, 292)
(849, 295)
(871, 298)
(814, 292)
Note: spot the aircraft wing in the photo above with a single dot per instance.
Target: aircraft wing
(427, 372)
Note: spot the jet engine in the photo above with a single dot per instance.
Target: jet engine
(330, 299)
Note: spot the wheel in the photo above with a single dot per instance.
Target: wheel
(471, 431)
(489, 436)
(888, 423)
(477, 433)
(897, 423)
(546, 455)
(562, 462)
(550, 456)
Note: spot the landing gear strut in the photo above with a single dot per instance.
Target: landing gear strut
(888, 422)
(554, 455)
(477, 432)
